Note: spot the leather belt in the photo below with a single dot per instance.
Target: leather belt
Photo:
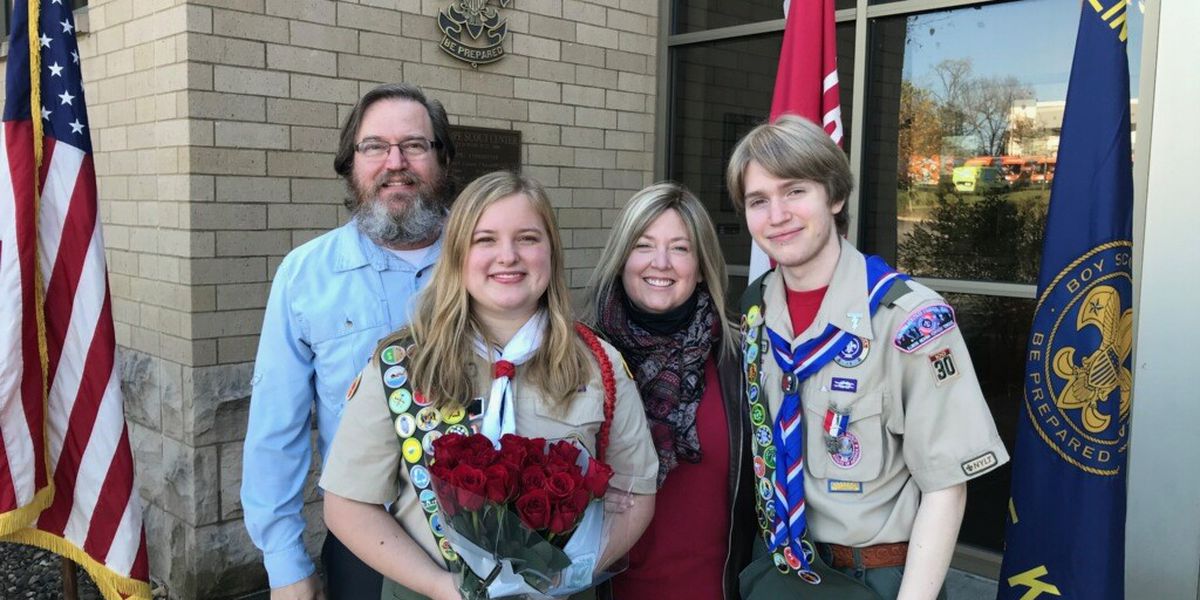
(879, 555)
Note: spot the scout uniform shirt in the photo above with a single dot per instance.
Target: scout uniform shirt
(366, 462)
(918, 420)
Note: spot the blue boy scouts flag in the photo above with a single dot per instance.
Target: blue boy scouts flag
(1066, 530)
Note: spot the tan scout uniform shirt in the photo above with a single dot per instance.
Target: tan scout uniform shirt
(365, 462)
(916, 434)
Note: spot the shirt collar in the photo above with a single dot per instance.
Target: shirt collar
(845, 304)
(355, 250)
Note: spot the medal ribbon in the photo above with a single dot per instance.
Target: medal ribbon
(798, 364)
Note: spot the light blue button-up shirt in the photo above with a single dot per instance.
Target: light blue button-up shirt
(331, 302)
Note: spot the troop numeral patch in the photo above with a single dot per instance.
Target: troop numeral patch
(942, 363)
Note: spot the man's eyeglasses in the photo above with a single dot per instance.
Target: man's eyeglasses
(411, 148)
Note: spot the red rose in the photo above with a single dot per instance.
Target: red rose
(564, 518)
(448, 449)
(443, 488)
(536, 445)
(478, 451)
(468, 483)
(565, 450)
(578, 500)
(597, 477)
(533, 478)
(501, 483)
(555, 464)
(534, 509)
(513, 450)
(560, 486)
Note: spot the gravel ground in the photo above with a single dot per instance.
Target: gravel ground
(28, 573)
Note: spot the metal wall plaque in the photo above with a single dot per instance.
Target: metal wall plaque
(472, 31)
(481, 150)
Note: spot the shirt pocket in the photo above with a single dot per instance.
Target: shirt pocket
(858, 455)
(342, 342)
(580, 420)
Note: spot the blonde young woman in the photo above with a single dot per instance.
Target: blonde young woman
(658, 295)
(494, 325)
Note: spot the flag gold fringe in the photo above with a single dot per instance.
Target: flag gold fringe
(20, 518)
(112, 585)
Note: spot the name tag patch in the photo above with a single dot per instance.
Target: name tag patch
(943, 367)
(923, 326)
(980, 463)
(837, 486)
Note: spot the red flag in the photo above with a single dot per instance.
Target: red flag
(66, 467)
(806, 83)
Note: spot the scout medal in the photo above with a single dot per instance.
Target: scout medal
(835, 425)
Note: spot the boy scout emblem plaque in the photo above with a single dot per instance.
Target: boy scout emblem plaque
(472, 31)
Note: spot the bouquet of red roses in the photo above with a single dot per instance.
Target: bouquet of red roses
(526, 518)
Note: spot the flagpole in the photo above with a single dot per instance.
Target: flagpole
(70, 580)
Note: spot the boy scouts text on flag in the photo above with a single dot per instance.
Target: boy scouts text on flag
(1066, 530)
(66, 468)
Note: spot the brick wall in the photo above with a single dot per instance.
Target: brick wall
(214, 124)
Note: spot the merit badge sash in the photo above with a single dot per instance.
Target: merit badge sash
(779, 447)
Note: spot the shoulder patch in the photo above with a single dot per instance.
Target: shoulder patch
(980, 464)
(923, 326)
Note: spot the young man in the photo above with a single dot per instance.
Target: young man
(868, 416)
(331, 301)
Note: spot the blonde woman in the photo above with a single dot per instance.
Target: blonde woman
(494, 326)
(658, 295)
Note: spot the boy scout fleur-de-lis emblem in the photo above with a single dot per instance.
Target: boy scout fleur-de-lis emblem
(474, 18)
(1093, 380)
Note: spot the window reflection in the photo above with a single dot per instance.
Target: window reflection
(963, 144)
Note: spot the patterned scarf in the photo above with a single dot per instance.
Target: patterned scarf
(669, 372)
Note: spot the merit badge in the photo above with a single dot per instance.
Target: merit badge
(353, 387)
(752, 373)
(764, 489)
(780, 562)
(752, 392)
(399, 400)
(751, 353)
(412, 450)
(421, 400)
(853, 353)
(763, 435)
(393, 355)
(454, 414)
(810, 577)
(395, 376)
(763, 523)
(419, 476)
(460, 429)
(447, 550)
(923, 326)
(758, 414)
(752, 335)
(770, 511)
(769, 457)
(793, 561)
(428, 501)
(807, 548)
(848, 451)
(760, 467)
(406, 425)
(428, 418)
(843, 384)
(435, 525)
(428, 440)
(942, 363)
(410, 350)
(753, 316)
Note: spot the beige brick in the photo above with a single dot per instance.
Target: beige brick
(649, 9)
(237, 349)
(581, 257)
(226, 270)
(583, 96)
(578, 217)
(253, 243)
(580, 178)
(627, 61)
(536, 47)
(251, 135)
(367, 18)
(625, 101)
(640, 44)
(631, 22)
(592, 117)
(314, 139)
(434, 77)
(634, 82)
(497, 85)
(595, 159)
(311, 87)
(584, 12)
(554, 28)
(390, 46)
(538, 133)
(367, 68)
(635, 121)
(596, 36)
(209, 105)
(625, 179)
(312, 35)
(592, 198)
(548, 176)
(319, 11)
(594, 76)
(225, 51)
(299, 112)
(249, 26)
(297, 164)
(223, 161)
(254, 6)
(551, 70)
(313, 216)
(242, 295)
(319, 191)
(228, 216)
(635, 160)
(304, 60)
(261, 82)
(226, 323)
(550, 155)
(624, 140)
(583, 137)
(251, 189)
(552, 8)
(532, 89)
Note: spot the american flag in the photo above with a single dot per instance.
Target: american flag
(806, 83)
(66, 468)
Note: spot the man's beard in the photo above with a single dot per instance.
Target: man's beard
(418, 219)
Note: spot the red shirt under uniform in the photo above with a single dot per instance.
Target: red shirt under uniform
(682, 553)
(803, 307)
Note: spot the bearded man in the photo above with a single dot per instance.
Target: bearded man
(331, 300)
